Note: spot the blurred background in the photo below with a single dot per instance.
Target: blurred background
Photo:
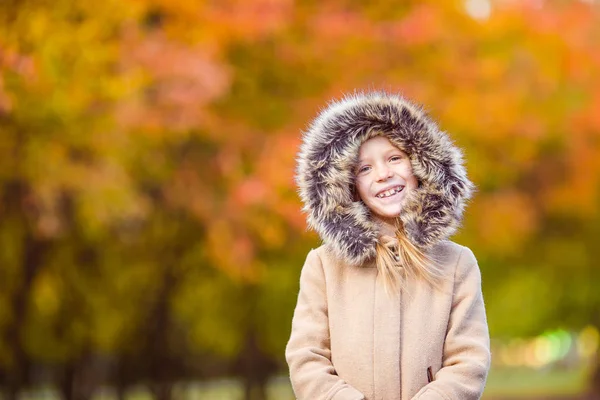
(151, 237)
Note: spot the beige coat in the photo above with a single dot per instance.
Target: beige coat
(350, 340)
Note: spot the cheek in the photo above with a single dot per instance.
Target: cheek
(360, 189)
(413, 182)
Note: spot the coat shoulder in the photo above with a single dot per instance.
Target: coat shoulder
(327, 257)
(452, 254)
(320, 252)
(333, 264)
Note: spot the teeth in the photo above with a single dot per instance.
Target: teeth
(390, 192)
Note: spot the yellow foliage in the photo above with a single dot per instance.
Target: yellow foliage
(504, 222)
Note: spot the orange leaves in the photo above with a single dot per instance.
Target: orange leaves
(578, 193)
(421, 26)
(231, 250)
(250, 19)
(250, 191)
(504, 222)
(5, 101)
(19, 64)
(136, 85)
(340, 24)
(222, 21)
(178, 81)
(187, 191)
(11, 60)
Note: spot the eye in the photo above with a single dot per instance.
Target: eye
(396, 158)
(362, 169)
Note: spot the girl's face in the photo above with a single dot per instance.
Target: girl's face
(383, 177)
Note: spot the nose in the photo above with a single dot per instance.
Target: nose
(382, 173)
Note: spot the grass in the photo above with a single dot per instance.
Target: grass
(526, 382)
(503, 383)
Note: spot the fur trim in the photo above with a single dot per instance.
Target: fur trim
(325, 176)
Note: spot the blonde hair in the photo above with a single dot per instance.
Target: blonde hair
(400, 260)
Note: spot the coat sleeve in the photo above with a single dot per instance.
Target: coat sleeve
(308, 351)
(466, 356)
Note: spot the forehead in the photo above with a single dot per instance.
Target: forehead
(374, 146)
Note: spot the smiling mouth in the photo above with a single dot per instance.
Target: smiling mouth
(389, 192)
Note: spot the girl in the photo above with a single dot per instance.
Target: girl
(388, 307)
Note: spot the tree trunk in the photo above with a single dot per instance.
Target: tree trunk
(120, 392)
(79, 379)
(255, 390)
(594, 389)
(34, 252)
(66, 382)
(11, 392)
(20, 363)
(255, 368)
(120, 381)
(162, 390)
(161, 361)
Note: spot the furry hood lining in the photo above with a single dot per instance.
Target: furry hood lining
(329, 152)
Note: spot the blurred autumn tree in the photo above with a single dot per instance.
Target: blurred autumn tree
(150, 227)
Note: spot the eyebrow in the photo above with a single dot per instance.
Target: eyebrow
(362, 160)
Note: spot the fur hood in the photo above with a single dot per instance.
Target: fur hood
(329, 152)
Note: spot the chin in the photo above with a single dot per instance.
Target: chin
(390, 213)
